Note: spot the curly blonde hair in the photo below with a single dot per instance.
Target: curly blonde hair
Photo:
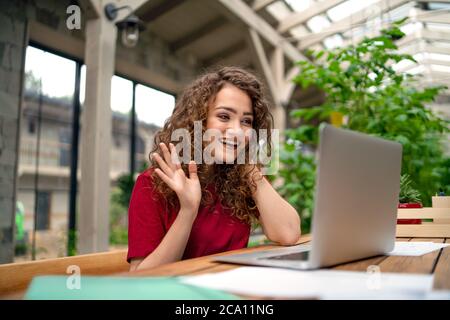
(232, 182)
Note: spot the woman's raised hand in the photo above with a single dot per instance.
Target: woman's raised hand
(187, 189)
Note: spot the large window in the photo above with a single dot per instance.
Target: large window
(153, 107)
(46, 179)
(121, 105)
(44, 158)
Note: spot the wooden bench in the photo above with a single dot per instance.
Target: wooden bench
(15, 277)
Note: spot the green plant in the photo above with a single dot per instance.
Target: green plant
(407, 192)
(125, 185)
(72, 247)
(360, 83)
(298, 173)
(120, 200)
(117, 217)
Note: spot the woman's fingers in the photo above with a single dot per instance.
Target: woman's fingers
(164, 177)
(167, 156)
(193, 170)
(174, 156)
(162, 164)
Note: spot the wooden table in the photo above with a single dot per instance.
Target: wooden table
(436, 262)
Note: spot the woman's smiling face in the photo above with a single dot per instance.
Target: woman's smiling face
(231, 113)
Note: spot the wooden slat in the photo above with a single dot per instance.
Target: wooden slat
(258, 48)
(424, 213)
(442, 269)
(404, 264)
(261, 4)
(15, 277)
(246, 15)
(297, 18)
(354, 19)
(423, 230)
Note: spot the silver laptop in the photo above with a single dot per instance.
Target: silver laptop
(358, 183)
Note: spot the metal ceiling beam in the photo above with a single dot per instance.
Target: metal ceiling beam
(301, 17)
(441, 1)
(438, 77)
(436, 62)
(347, 23)
(261, 4)
(424, 35)
(264, 29)
(264, 63)
(423, 47)
(443, 18)
(427, 65)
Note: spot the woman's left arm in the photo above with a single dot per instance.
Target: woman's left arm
(279, 220)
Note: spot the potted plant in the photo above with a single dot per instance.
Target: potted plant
(409, 198)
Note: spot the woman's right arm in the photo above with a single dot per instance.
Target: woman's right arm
(172, 246)
(189, 193)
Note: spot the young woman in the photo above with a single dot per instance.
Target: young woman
(186, 210)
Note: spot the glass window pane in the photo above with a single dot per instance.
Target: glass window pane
(121, 104)
(153, 107)
(349, 7)
(45, 153)
(300, 5)
(279, 10)
(333, 41)
(318, 23)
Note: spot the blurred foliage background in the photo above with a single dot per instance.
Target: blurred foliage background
(362, 86)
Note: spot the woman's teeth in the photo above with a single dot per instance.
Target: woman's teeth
(229, 144)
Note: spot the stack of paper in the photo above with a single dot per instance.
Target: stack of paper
(415, 248)
(322, 284)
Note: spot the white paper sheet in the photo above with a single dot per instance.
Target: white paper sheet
(415, 248)
(326, 284)
(426, 295)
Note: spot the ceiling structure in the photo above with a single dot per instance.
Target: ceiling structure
(270, 35)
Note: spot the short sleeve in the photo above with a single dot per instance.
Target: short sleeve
(145, 224)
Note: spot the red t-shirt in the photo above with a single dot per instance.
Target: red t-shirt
(214, 229)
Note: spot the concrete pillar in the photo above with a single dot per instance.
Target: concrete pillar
(279, 117)
(277, 68)
(93, 218)
(13, 41)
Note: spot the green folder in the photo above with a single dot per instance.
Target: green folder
(120, 288)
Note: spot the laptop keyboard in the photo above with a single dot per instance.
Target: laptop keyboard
(304, 255)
